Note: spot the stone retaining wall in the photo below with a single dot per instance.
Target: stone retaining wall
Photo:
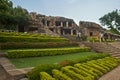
(12, 72)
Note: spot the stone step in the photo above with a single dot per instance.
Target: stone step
(2, 54)
(116, 54)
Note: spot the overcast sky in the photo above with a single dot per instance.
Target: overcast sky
(79, 10)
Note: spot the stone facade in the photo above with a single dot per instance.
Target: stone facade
(61, 26)
(90, 29)
(58, 25)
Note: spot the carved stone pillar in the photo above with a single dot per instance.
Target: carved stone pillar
(71, 32)
(67, 24)
(63, 32)
(61, 24)
(58, 31)
(45, 22)
(73, 24)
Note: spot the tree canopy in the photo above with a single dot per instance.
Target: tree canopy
(112, 21)
(12, 17)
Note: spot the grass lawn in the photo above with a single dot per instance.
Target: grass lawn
(32, 62)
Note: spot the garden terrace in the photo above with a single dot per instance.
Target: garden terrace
(62, 59)
(45, 52)
(36, 45)
(27, 37)
(90, 70)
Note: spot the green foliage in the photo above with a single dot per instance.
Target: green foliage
(93, 39)
(45, 76)
(34, 73)
(88, 58)
(71, 73)
(90, 70)
(84, 38)
(25, 37)
(58, 75)
(63, 60)
(10, 17)
(29, 39)
(45, 52)
(35, 45)
(112, 20)
(98, 67)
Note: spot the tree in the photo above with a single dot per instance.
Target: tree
(112, 20)
(12, 18)
(21, 16)
(5, 7)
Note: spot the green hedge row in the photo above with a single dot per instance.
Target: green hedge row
(98, 67)
(26, 35)
(93, 70)
(34, 74)
(28, 45)
(44, 52)
(29, 39)
(46, 76)
(58, 75)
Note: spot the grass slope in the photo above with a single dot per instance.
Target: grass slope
(32, 62)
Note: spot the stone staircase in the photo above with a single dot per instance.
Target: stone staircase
(49, 32)
(72, 38)
(104, 47)
(2, 54)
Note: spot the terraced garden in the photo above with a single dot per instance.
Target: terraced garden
(54, 57)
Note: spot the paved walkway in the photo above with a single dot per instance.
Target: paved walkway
(112, 75)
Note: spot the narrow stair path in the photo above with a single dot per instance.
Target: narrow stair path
(112, 75)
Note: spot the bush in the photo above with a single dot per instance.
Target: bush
(81, 72)
(58, 75)
(44, 52)
(71, 73)
(90, 70)
(78, 65)
(29, 39)
(20, 34)
(45, 76)
(30, 45)
(34, 73)
(25, 37)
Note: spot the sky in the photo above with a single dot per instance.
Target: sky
(79, 10)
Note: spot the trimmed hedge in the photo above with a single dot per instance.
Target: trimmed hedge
(58, 75)
(34, 74)
(44, 52)
(46, 76)
(27, 34)
(28, 45)
(29, 39)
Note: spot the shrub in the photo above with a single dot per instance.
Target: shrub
(29, 39)
(34, 73)
(44, 52)
(78, 65)
(45, 76)
(71, 73)
(58, 75)
(35, 45)
(80, 71)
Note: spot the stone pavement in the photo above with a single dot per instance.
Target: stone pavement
(112, 75)
(3, 75)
